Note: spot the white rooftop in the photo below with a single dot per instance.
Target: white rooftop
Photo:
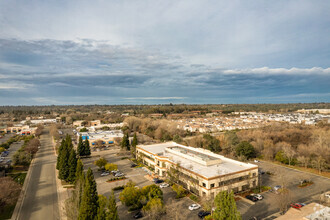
(198, 160)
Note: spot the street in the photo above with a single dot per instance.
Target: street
(40, 201)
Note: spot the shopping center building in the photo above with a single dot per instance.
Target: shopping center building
(198, 170)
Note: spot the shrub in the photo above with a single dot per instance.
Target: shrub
(118, 188)
(180, 191)
(193, 197)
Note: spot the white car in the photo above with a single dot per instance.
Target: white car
(194, 207)
(105, 174)
(256, 161)
(258, 196)
(164, 185)
(119, 174)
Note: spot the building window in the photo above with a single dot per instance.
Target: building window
(204, 185)
(254, 174)
(212, 185)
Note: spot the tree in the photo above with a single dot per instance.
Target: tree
(81, 147)
(59, 153)
(130, 196)
(32, 146)
(89, 201)
(245, 149)
(225, 207)
(72, 166)
(101, 212)
(154, 208)
(112, 213)
(289, 153)
(211, 143)
(87, 149)
(125, 142)
(79, 169)
(111, 166)
(101, 162)
(9, 192)
(134, 144)
(64, 164)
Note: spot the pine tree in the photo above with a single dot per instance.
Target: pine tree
(59, 153)
(101, 212)
(134, 143)
(81, 147)
(125, 142)
(72, 166)
(64, 164)
(87, 149)
(225, 207)
(112, 213)
(79, 169)
(89, 201)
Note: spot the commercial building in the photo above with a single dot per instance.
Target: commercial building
(18, 129)
(198, 170)
(104, 138)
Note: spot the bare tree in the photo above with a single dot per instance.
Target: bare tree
(283, 199)
(289, 152)
(9, 192)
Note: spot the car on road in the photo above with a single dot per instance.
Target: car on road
(138, 215)
(164, 185)
(252, 198)
(277, 187)
(203, 214)
(258, 196)
(296, 205)
(194, 207)
(105, 173)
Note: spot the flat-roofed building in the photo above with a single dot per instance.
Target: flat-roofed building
(200, 171)
(106, 137)
(312, 211)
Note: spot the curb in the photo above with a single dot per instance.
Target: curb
(22, 195)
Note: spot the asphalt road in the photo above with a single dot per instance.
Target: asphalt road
(41, 201)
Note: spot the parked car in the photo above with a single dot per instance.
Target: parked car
(138, 215)
(105, 173)
(258, 196)
(119, 174)
(256, 161)
(194, 207)
(113, 172)
(133, 165)
(164, 185)
(8, 161)
(302, 204)
(261, 172)
(277, 187)
(296, 205)
(252, 198)
(158, 180)
(203, 214)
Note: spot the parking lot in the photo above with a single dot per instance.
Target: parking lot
(12, 149)
(290, 178)
(137, 175)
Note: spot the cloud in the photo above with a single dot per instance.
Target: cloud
(279, 71)
(154, 98)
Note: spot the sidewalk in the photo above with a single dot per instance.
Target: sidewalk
(62, 193)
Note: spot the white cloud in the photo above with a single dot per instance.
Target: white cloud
(154, 98)
(279, 71)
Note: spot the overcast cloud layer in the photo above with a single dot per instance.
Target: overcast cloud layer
(145, 52)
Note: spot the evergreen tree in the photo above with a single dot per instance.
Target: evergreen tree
(59, 153)
(225, 207)
(134, 143)
(89, 201)
(64, 163)
(112, 213)
(101, 212)
(79, 169)
(72, 166)
(125, 142)
(81, 147)
(87, 149)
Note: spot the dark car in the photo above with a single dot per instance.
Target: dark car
(158, 181)
(138, 215)
(252, 198)
(203, 214)
(133, 165)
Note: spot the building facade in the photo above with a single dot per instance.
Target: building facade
(198, 170)
(103, 138)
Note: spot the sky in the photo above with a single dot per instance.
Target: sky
(155, 52)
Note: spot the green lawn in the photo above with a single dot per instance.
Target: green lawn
(7, 212)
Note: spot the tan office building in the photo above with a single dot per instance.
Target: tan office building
(200, 171)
